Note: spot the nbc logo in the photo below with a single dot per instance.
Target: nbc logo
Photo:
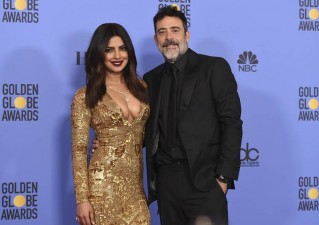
(247, 62)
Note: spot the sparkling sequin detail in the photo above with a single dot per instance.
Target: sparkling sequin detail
(112, 181)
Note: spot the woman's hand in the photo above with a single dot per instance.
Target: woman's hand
(95, 144)
(84, 214)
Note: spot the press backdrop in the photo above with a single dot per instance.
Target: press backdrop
(272, 47)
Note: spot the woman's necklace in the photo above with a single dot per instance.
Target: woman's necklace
(125, 94)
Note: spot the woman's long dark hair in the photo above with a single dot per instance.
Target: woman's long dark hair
(96, 69)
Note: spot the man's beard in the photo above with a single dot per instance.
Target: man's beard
(172, 55)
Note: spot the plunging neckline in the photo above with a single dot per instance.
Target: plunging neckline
(118, 107)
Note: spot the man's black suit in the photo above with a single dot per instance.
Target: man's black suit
(209, 125)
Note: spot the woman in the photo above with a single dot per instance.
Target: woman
(109, 188)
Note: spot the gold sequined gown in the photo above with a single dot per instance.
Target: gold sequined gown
(112, 181)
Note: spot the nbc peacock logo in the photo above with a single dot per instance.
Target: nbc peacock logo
(247, 62)
(20, 11)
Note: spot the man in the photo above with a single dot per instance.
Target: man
(193, 135)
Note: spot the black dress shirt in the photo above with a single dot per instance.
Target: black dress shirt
(167, 154)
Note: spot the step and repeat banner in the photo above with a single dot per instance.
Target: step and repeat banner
(272, 47)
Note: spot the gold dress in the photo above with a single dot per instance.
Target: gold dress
(112, 181)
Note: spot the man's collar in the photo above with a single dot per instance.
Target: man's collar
(180, 63)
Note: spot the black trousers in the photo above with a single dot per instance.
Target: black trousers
(179, 203)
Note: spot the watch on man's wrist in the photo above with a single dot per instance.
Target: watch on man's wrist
(222, 179)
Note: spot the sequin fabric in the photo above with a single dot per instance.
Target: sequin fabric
(112, 181)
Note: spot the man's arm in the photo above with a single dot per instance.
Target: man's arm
(228, 108)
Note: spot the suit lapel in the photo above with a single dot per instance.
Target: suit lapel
(156, 98)
(189, 81)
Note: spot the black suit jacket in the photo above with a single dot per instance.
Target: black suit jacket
(210, 126)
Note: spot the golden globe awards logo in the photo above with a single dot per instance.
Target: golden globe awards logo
(249, 156)
(20, 11)
(308, 104)
(308, 193)
(19, 201)
(309, 15)
(20, 102)
(182, 5)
